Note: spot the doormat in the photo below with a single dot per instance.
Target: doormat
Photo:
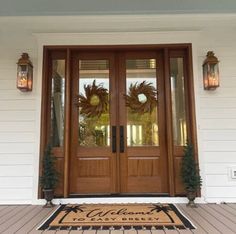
(116, 217)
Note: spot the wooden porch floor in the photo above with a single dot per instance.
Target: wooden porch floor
(208, 218)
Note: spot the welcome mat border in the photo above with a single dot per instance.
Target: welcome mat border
(187, 223)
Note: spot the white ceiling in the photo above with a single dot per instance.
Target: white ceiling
(98, 7)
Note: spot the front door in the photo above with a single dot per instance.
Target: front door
(118, 133)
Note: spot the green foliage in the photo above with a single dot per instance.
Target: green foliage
(189, 170)
(50, 176)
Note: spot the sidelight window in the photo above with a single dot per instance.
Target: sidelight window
(178, 101)
(57, 103)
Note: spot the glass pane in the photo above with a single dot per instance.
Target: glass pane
(178, 101)
(57, 103)
(94, 119)
(141, 101)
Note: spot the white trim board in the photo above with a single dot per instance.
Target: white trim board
(118, 200)
(108, 23)
(118, 38)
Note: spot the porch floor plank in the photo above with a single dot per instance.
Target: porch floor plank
(11, 214)
(224, 212)
(6, 210)
(171, 231)
(130, 231)
(34, 232)
(102, 232)
(156, 232)
(34, 229)
(50, 232)
(2, 208)
(64, 232)
(11, 225)
(81, 232)
(208, 218)
(24, 219)
(91, 232)
(144, 232)
(214, 221)
(119, 232)
(228, 209)
(185, 231)
(31, 225)
(224, 220)
(193, 217)
(232, 205)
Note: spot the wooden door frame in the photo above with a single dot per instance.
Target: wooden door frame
(66, 51)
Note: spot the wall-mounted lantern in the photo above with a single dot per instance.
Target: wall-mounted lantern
(24, 73)
(210, 71)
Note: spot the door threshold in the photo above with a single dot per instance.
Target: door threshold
(117, 200)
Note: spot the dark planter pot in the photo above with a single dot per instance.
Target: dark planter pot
(48, 195)
(191, 195)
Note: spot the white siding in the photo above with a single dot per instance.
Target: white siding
(17, 126)
(16, 170)
(17, 122)
(217, 120)
(18, 159)
(20, 112)
(18, 194)
(16, 182)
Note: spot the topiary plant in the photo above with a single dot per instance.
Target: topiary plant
(50, 176)
(190, 174)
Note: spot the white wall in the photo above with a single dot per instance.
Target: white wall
(17, 120)
(217, 118)
(20, 112)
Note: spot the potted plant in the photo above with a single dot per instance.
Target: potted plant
(50, 176)
(190, 174)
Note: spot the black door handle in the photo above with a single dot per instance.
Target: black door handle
(122, 139)
(113, 133)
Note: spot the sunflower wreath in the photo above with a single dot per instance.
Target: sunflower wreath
(141, 98)
(95, 101)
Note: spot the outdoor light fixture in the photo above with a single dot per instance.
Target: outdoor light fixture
(24, 73)
(210, 71)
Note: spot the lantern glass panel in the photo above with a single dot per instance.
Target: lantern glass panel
(213, 75)
(30, 78)
(205, 76)
(22, 76)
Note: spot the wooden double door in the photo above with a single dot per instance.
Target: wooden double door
(118, 133)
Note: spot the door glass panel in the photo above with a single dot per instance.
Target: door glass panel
(178, 101)
(57, 103)
(141, 84)
(94, 120)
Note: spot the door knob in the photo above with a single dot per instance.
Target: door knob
(122, 140)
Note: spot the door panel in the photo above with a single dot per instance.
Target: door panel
(121, 150)
(144, 162)
(93, 164)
